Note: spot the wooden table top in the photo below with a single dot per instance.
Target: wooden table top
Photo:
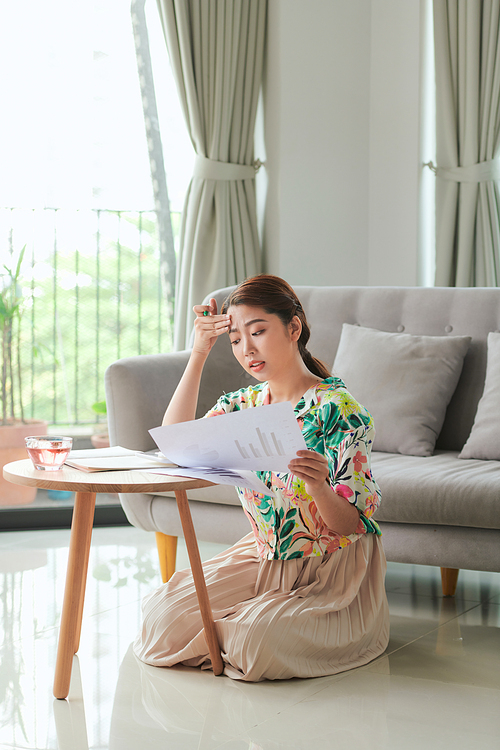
(74, 480)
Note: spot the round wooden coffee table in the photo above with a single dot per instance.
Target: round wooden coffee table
(86, 486)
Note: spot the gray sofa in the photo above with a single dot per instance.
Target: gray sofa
(436, 510)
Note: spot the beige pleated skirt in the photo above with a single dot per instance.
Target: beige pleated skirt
(275, 619)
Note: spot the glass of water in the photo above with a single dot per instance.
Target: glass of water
(48, 452)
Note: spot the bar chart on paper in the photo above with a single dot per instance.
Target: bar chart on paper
(267, 445)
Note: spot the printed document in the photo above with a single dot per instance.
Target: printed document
(226, 449)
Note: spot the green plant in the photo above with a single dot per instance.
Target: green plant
(99, 407)
(11, 305)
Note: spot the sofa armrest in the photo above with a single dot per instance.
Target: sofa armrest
(138, 390)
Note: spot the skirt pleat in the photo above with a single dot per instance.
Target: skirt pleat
(275, 619)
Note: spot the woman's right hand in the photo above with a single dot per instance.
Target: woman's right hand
(207, 328)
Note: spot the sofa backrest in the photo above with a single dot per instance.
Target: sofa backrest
(432, 311)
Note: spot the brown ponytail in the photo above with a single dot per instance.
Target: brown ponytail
(276, 297)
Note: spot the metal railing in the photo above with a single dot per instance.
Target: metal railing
(93, 293)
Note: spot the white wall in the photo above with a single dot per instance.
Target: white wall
(341, 125)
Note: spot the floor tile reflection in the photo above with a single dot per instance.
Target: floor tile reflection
(437, 686)
(464, 650)
(375, 710)
(425, 580)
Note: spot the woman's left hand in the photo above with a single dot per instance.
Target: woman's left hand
(312, 468)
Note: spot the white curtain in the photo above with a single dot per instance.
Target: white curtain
(467, 53)
(216, 49)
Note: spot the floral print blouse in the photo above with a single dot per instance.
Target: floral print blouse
(333, 423)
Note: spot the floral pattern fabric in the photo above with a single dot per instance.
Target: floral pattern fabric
(334, 424)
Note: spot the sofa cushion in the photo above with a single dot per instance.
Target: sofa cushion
(439, 489)
(484, 439)
(405, 382)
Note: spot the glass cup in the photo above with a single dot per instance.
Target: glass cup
(48, 453)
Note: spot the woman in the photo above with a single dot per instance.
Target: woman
(303, 594)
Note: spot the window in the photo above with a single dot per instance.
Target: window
(77, 190)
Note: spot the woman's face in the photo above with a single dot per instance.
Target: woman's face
(263, 346)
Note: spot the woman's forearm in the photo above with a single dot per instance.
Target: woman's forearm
(182, 406)
(337, 513)
(208, 326)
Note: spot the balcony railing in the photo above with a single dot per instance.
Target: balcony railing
(93, 292)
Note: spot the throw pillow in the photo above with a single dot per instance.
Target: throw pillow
(405, 381)
(484, 439)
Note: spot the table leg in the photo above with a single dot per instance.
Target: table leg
(199, 581)
(74, 592)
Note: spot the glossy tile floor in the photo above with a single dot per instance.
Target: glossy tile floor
(438, 686)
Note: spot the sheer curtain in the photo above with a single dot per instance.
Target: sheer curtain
(467, 54)
(216, 48)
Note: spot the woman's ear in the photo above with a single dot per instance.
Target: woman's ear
(295, 328)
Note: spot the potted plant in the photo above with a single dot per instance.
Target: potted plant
(100, 439)
(14, 427)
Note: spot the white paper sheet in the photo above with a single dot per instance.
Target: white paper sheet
(113, 452)
(220, 476)
(227, 449)
(261, 439)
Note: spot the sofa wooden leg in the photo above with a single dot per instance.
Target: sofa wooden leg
(449, 578)
(167, 551)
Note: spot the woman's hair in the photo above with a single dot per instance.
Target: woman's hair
(277, 297)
